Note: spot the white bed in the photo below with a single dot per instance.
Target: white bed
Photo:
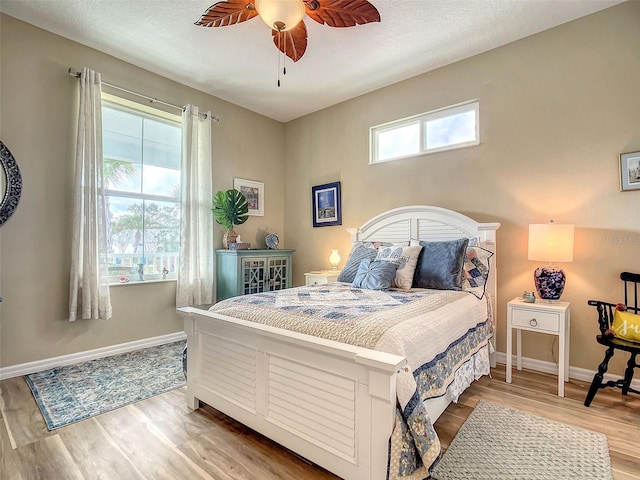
(238, 367)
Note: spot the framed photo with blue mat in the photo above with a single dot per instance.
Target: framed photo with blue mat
(327, 208)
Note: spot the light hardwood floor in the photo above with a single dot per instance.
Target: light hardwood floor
(160, 438)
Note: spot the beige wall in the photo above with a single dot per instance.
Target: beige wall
(556, 109)
(38, 107)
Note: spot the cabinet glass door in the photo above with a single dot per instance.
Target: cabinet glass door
(254, 275)
(278, 273)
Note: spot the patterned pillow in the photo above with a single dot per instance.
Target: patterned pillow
(359, 251)
(405, 257)
(440, 265)
(376, 275)
(476, 270)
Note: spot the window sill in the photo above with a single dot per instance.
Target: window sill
(144, 282)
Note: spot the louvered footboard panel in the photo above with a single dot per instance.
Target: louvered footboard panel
(313, 404)
(230, 370)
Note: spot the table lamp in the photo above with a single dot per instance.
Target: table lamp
(334, 259)
(550, 242)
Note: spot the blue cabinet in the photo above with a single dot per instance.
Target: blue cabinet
(240, 272)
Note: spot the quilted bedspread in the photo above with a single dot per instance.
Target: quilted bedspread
(437, 331)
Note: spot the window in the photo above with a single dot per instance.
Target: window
(444, 129)
(142, 155)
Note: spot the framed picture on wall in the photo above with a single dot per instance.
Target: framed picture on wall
(327, 208)
(630, 171)
(254, 193)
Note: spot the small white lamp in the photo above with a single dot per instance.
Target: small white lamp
(334, 259)
(550, 242)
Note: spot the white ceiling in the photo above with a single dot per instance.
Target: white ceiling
(238, 63)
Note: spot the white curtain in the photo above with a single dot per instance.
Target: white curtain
(89, 288)
(195, 276)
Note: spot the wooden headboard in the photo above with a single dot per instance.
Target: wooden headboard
(428, 223)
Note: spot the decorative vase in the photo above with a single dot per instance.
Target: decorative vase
(228, 238)
(549, 282)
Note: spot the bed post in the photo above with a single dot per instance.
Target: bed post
(382, 391)
(193, 356)
(488, 240)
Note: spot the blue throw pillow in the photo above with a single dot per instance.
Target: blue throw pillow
(375, 275)
(440, 265)
(359, 252)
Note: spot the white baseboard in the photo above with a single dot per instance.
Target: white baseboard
(574, 372)
(46, 364)
(39, 365)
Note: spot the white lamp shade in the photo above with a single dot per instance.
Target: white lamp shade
(551, 242)
(277, 13)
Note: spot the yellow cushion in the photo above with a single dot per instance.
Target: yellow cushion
(626, 325)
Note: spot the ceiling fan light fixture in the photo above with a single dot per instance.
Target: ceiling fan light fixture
(285, 18)
(280, 15)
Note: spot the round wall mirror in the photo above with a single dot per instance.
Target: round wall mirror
(10, 184)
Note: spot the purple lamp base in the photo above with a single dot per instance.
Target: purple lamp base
(549, 282)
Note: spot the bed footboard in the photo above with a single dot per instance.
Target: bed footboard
(331, 403)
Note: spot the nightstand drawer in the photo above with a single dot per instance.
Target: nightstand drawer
(535, 320)
(317, 280)
(321, 277)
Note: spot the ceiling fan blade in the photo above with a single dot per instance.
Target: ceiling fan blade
(228, 12)
(342, 13)
(293, 43)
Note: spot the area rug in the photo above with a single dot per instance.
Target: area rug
(72, 393)
(499, 443)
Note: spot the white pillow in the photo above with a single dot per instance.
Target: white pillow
(406, 258)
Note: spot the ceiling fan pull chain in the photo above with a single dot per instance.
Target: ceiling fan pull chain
(278, 70)
(284, 58)
(278, 61)
(282, 54)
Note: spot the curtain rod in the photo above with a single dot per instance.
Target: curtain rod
(76, 74)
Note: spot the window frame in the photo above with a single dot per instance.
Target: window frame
(122, 104)
(424, 119)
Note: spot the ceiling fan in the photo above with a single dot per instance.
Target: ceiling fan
(285, 18)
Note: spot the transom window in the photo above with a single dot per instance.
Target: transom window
(142, 154)
(445, 129)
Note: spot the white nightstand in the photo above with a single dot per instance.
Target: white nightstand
(552, 318)
(320, 277)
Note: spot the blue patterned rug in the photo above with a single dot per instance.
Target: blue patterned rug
(72, 393)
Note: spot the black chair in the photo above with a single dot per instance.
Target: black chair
(606, 338)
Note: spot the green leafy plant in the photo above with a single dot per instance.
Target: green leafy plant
(230, 208)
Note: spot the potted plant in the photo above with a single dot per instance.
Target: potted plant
(230, 208)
